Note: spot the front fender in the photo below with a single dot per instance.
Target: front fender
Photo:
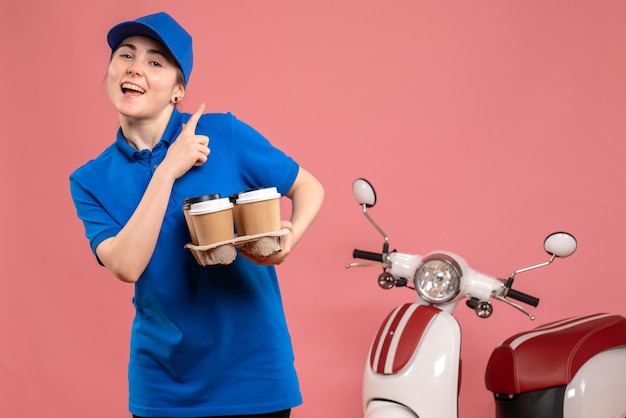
(386, 409)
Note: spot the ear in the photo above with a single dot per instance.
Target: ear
(178, 93)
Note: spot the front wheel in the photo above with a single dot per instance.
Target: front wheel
(386, 409)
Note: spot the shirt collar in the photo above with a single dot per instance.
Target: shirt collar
(174, 126)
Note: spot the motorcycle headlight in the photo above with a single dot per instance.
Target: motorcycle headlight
(438, 278)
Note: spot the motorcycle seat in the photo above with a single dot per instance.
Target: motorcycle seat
(550, 355)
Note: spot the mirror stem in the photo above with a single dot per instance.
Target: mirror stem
(532, 267)
(369, 218)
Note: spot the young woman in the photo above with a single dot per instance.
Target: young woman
(206, 341)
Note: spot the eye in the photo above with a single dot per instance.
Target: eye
(125, 55)
(155, 64)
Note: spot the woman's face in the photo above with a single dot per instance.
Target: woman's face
(143, 79)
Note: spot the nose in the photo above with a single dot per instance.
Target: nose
(134, 69)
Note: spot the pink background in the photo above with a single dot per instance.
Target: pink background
(484, 124)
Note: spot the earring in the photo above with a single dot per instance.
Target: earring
(175, 99)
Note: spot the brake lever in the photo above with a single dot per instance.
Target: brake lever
(364, 264)
(515, 305)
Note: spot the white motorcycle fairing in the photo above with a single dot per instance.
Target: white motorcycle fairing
(414, 362)
(594, 389)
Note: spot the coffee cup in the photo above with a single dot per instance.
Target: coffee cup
(237, 215)
(187, 206)
(212, 220)
(258, 211)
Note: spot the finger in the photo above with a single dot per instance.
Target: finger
(204, 156)
(284, 224)
(191, 124)
(203, 140)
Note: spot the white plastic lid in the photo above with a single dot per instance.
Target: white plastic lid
(210, 206)
(258, 195)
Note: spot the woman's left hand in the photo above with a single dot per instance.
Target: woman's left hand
(277, 257)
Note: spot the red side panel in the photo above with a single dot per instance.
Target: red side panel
(399, 336)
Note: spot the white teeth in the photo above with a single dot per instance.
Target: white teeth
(129, 86)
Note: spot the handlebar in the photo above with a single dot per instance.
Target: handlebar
(367, 255)
(523, 297)
(513, 294)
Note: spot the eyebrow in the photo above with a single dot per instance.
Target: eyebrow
(150, 50)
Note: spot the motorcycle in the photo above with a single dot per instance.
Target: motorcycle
(572, 368)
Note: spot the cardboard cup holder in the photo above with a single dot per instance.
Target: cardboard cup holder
(213, 219)
(225, 252)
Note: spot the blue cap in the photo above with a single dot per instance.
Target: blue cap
(160, 27)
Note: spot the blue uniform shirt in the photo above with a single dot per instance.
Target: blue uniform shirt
(205, 340)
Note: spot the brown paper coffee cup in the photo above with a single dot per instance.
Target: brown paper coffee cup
(237, 215)
(213, 221)
(187, 206)
(258, 211)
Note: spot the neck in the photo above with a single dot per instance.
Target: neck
(145, 133)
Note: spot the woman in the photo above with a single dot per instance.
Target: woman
(206, 341)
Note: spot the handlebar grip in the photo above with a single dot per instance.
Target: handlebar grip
(367, 255)
(523, 297)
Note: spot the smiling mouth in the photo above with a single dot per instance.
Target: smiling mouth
(130, 88)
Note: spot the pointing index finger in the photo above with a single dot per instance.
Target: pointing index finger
(193, 120)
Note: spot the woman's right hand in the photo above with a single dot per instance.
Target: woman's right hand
(189, 149)
(128, 253)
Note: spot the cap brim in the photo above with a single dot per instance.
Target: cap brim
(124, 30)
